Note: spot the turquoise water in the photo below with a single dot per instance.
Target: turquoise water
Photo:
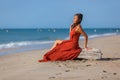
(35, 39)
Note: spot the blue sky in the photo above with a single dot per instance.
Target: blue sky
(58, 13)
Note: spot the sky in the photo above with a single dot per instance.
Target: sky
(58, 13)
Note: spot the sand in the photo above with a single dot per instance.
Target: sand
(24, 66)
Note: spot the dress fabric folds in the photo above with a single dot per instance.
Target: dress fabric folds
(67, 50)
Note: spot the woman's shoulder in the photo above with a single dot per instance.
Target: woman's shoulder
(78, 26)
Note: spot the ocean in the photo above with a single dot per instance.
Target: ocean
(20, 40)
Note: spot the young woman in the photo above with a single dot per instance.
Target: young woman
(68, 49)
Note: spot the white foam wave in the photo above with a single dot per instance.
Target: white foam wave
(102, 35)
(23, 43)
(97, 35)
(27, 43)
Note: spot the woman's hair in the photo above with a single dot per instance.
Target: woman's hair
(80, 16)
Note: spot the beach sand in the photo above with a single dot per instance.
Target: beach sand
(25, 65)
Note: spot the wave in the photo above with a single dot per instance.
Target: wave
(97, 35)
(33, 43)
(102, 35)
(23, 43)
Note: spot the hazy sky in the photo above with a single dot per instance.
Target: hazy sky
(58, 13)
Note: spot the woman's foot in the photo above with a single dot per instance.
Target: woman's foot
(40, 60)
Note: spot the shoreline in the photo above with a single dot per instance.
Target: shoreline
(25, 65)
(15, 51)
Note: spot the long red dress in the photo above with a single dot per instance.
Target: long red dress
(67, 50)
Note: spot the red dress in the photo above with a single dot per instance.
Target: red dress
(67, 50)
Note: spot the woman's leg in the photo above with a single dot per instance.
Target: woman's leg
(56, 43)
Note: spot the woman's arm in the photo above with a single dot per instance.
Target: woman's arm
(80, 30)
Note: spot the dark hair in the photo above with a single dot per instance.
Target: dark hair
(80, 16)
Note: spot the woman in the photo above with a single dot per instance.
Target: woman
(68, 49)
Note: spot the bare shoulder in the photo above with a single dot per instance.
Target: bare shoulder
(79, 28)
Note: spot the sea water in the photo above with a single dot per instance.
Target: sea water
(19, 40)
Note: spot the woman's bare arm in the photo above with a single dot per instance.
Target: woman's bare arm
(80, 30)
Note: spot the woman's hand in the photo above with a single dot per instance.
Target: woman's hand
(88, 48)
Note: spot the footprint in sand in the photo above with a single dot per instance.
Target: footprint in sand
(58, 73)
(59, 66)
(51, 78)
(88, 65)
(114, 73)
(67, 70)
(103, 77)
(104, 71)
